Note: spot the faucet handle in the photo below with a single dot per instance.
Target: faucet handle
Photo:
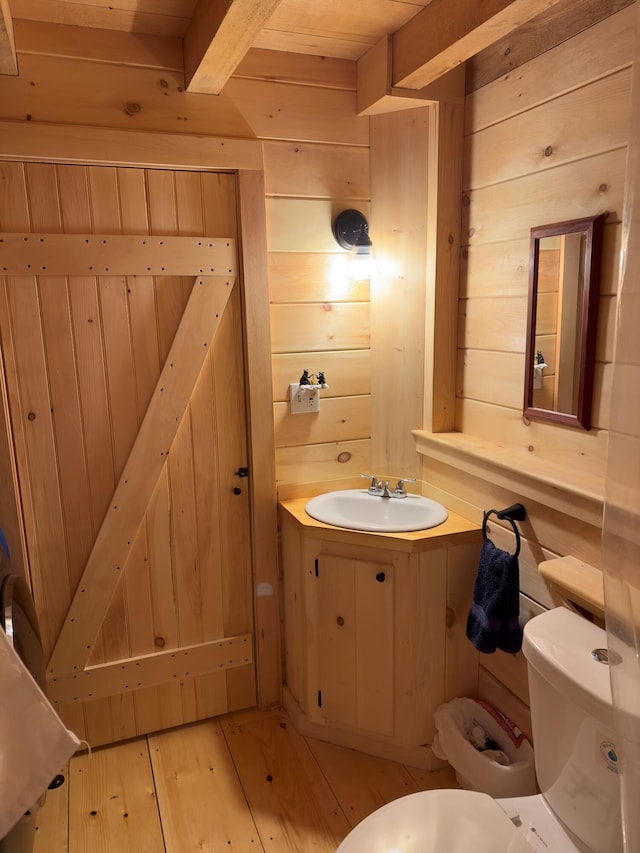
(400, 490)
(375, 487)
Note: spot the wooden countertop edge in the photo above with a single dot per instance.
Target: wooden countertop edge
(455, 530)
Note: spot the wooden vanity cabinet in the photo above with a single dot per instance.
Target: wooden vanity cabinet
(366, 633)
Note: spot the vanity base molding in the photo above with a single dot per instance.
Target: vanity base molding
(421, 757)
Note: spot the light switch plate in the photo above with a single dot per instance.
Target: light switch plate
(304, 398)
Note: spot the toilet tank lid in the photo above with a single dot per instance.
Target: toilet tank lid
(559, 645)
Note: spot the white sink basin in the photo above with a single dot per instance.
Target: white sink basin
(356, 509)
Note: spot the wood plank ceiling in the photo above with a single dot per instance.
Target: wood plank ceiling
(416, 41)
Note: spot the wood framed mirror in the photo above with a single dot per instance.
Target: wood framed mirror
(564, 284)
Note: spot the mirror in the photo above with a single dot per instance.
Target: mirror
(564, 281)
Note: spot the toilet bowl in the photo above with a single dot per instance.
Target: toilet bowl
(444, 820)
(576, 761)
(458, 821)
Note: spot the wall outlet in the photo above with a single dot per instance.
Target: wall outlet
(304, 398)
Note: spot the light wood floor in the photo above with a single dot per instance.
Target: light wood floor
(245, 782)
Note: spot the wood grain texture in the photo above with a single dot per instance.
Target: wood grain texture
(102, 45)
(284, 788)
(363, 615)
(260, 430)
(132, 503)
(319, 327)
(575, 581)
(399, 146)
(8, 61)
(443, 269)
(107, 788)
(361, 782)
(487, 270)
(202, 798)
(439, 38)
(322, 466)
(348, 372)
(199, 793)
(106, 367)
(75, 144)
(597, 52)
(339, 419)
(313, 277)
(552, 533)
(561, 22)
(135, 672)
(578, 493)
(298, 68)
(218, 37)
(97, 254)
(580, 188)
(305, 170)
(313, 115)
(167, 20)
(115, 96)
(355, 631)
(552, 133)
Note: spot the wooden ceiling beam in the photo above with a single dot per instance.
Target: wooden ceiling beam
(376, 94)
(8, 61)
(219, 35)
(561, 23)
(446, 34)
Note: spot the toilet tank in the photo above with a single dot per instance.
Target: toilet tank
(574, 737)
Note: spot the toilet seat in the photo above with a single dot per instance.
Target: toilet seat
(453, 820)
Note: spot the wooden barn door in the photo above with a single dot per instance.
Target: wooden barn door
(121, 325)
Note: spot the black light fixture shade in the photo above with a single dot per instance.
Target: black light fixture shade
(350, 228)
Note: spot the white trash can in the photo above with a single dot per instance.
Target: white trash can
(485, 748)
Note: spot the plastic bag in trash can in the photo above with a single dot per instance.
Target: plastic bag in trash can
(502, 766)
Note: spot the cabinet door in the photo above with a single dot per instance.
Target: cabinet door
(355, 631)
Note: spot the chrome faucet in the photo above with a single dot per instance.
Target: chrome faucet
(381, 488)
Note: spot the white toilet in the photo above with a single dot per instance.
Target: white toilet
(576, 762)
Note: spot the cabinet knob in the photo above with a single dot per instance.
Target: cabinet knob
(237, 490)
(380, 577)
(340, 621)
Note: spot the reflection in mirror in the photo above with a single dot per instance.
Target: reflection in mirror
(564, 267)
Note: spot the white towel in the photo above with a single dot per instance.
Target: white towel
(34, 743)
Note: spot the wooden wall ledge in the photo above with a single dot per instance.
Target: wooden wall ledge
(573, 580)
(552, 483)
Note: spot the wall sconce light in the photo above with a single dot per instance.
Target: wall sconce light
(351, 231)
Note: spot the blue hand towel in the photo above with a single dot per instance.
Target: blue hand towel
(493, 619)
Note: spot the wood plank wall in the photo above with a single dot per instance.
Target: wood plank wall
(572, 100)
(544, 143)
(316, 164)
(86, 89)
(320, 320)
